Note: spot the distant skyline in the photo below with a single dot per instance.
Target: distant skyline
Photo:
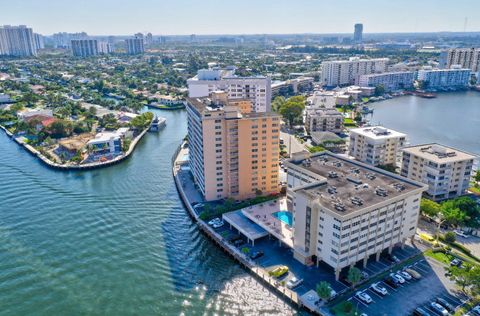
(184, 17)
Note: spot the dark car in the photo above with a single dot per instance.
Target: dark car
(238, 242)
(445, 304)
(420, 312)
(392, 282)
(256, 255)
(233, 238)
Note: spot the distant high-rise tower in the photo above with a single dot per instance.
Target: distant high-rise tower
(135, 45)
(84, 47)
(17, 41)
(149, 39)
(358, 34)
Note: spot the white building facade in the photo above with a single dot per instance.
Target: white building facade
(256, 89)
(465, 57)
(348, 72)
(346, 211)
(391, 81)
(455, 78)
(17, 41)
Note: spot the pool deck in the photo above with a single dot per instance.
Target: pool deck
(261, 214)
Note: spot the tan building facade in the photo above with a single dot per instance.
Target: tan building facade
(445, 170)
(234, 152)
(376, 145)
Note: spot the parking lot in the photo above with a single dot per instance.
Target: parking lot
(412, 294)
(276, 255)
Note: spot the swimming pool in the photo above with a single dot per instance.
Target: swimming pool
(285, 217)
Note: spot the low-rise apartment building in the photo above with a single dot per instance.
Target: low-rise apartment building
(376, 145)
(345, 211)
(391, 81)
(323, 120)
(233, 152)
(454, 78)
(256, 89)
(445, 170)
(347, 72)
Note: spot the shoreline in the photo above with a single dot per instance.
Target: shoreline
(290, 297)
(89, 166)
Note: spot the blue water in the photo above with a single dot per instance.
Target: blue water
(113, 241)
(285, 217)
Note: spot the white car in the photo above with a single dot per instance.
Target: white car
(376, 287)
(397, 277)
(406, 275)
(294, 282)
(214, 221)
(218, 224)
(460, 233)
(364, 297)
(439, 309)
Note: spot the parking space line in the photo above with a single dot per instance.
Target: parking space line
(372, 291)
(390, 286)
(359, 300)
(452, 298)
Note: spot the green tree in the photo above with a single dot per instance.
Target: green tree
(451, 214)
(429, 208)
(466, 277)
(379, 90)
(292, 109)
(450, 237)
(354, 276)
(324, 290)
(277, 103)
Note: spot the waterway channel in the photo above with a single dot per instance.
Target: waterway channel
(113, 241)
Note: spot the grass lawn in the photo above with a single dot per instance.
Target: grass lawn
(444, 258)
(439, 256)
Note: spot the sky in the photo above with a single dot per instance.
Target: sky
(183, 17)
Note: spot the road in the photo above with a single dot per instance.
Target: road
(471, 242)
(291, 140)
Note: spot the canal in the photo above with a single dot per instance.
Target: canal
(113, 241)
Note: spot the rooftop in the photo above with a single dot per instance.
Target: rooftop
(206, 104)
(438, 153)
(349, 185)
(377, 132)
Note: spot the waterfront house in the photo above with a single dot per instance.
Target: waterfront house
(105, 143)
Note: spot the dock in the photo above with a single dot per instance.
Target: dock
(257, 271)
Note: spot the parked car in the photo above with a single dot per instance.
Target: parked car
(397, 277)
(449, 307)
(456, 262)
(279, 271)
(218, 224)
(213, 221)
(414, 274)
(461, 233)
(365, 275)
(405, 275)
(392, 282)
(421, 312)
(256, 255)
(376, 287)
(233, 238)
(439, 309)
(364, 297)
(294, 282)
